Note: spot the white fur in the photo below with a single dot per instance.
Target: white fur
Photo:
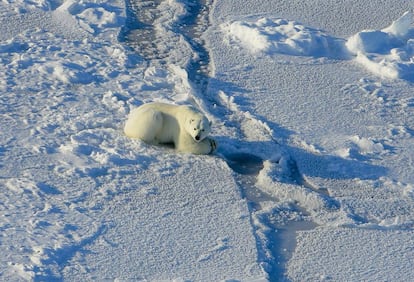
(159, 123)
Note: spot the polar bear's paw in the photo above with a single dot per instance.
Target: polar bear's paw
(213, 145)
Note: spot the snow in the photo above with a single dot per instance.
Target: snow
(312, 108)
(388, 52)
(346, 129)
(356, 256)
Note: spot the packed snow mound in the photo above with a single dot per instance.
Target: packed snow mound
(272, 36)
(389, 52)
(381, 41)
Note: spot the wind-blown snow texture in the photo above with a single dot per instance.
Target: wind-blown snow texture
(312, 106)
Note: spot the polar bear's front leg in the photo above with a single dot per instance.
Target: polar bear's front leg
(204, 147)
(213, 145)
(207, 146)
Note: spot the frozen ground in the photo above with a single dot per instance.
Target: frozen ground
(312, 106)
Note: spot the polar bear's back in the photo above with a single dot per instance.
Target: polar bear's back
(170, 109)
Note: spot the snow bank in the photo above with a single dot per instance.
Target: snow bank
(96, 19)
(273, 35)
(357, 147)
(389, 52)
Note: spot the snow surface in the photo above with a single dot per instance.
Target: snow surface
(312, 106)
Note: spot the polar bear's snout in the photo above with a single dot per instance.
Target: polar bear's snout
(199, 137)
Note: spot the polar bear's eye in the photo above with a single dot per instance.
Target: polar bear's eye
(195, 128)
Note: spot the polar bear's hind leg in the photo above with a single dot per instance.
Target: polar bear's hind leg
(144, 124)
(151, 121)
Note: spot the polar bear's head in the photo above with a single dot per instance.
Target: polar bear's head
(198, 127)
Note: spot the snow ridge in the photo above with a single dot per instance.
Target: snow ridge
(269, 36)
(387, 53)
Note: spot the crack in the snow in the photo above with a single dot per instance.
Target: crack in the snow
(142, 33)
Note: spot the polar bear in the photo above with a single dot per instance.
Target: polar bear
(160, 123)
